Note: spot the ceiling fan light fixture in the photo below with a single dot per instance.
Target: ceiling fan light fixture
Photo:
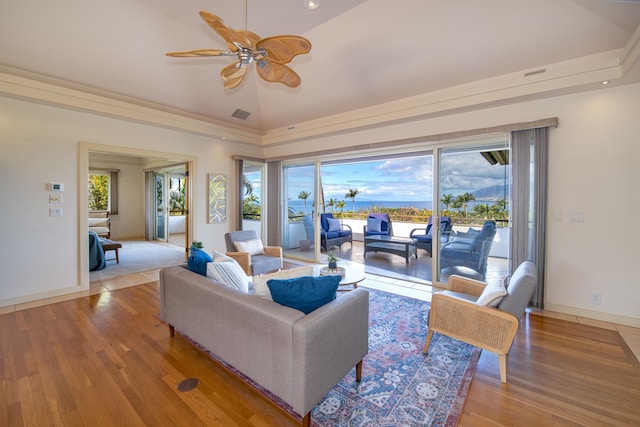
(312, 4)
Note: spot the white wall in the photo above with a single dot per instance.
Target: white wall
(593, 158)
(41, 256)
(593, 168)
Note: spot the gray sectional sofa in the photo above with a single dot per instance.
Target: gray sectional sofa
(297, 357)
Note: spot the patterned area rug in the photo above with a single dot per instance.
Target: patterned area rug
(400, 386)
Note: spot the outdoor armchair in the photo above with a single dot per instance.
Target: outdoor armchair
(470, 249)
(424, 236)
(457, 313)
(246, 248)
(333, 232)
(378, 224)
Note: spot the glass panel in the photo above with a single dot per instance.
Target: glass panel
(299, 221)
(252, 208)
(474, 194)
(160, 207)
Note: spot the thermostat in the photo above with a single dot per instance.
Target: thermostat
(56, 186)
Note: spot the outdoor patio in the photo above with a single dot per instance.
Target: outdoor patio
(418, 270)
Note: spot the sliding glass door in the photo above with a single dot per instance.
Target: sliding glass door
(299, 232)
(253, 208)
(473, 211)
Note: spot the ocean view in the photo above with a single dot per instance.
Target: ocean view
(298, 205)
(364, 205)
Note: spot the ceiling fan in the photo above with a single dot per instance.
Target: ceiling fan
(270, 54)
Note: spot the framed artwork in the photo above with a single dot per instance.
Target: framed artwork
(217, 198)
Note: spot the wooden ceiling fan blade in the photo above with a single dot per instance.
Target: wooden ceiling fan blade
(278, 73)
(282, 49)
(252, 37)
(233, 75)
(219, 26)
(200, 53)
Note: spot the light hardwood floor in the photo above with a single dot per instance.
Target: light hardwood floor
(105, 359)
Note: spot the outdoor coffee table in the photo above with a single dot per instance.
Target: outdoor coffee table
(403, 246)
(351, 274)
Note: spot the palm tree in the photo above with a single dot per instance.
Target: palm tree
(248, 187)
(446, 200)
(351, 194)
(331, 203)
(340, 204)
(304, 195)
(465, 199)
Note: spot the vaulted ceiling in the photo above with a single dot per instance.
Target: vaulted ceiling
(374, 57)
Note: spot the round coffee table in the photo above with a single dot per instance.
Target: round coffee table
(353, 274)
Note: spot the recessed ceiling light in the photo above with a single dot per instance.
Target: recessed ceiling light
(312, 4)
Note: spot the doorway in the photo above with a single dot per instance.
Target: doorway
(143, 251)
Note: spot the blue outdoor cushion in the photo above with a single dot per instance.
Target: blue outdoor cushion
(304, 293)
(333, 234)
(197, 261)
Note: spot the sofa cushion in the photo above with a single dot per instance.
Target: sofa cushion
(260, 282)
(197, 261)
(492, 294)
(229, 274)
(253, 246)
(304, 293)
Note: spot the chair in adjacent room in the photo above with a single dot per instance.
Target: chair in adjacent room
(378, 224)
(247, 249)
(485, 316)
(333, 232)
(424, 236)
(470, 249)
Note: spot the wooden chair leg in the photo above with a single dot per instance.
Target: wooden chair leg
(359, 371)
(428, 341)
(172, 331)
(117, 257)
(306, 421)
(502, 359)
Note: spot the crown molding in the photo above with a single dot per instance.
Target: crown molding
(48, 91)
(546, 81)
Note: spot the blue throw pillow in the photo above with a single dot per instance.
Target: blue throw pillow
(304, 293)
(334, 224)
(374, 225)
(197, 261)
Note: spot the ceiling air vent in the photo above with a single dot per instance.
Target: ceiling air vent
(240, 114)
(533, 73)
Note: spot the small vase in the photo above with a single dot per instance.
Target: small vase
(333, 265)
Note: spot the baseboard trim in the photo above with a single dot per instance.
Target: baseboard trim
(596, 315)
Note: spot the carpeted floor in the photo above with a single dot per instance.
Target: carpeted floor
(139, 255)
(400, 386)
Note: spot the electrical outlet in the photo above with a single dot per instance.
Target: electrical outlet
(596, 299)
(55, 211)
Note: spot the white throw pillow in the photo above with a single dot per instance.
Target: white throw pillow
(253, 247)
(260, 282)
(229, 274)
(220, 257)
(492, 294)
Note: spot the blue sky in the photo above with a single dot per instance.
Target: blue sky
(402, 179)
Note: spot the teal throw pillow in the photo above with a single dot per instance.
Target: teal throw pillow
(304, 293)
(197, 261)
